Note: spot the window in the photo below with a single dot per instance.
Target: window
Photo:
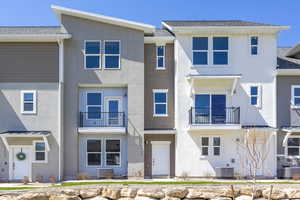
(92, 55)
(160, 57)
(210, 146)
(28, 102)
(254, 45)
(112, 54)
(160, 102)
(293, 147)
(296, 96)
(113, 152)
(94, 105)
(204, 146)
(255, 92)
(200, 50)
(39, 151)
(216, 146)
(220, 50)
(93, 149)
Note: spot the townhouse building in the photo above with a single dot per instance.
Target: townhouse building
(99, 93)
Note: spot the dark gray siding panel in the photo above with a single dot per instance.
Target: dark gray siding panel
(159, 79)
(285, 115)
(28, 62)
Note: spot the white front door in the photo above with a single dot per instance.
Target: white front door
(160, 158)
(113, 109)
(20, 168)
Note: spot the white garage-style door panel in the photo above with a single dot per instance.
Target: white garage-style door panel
(160, 158)
(20, 168)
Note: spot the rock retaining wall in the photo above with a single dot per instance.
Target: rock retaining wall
(154, 193)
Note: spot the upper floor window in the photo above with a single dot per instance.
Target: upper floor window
(94, 105)
(160, 102)
(200, 50)
(220, 50)
(28, 102)
(92, 56)
(40, 151)
(293, 147)
(160, 57)
(254, 45)
(112, 54)
(296, 96)
(255, 98)
(93, 151)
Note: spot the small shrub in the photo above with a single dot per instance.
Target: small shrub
(82, 176)
(25, 180)
(39, 179)
(296, 177)
(52, 180)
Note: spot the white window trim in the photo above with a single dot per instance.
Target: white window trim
(154, 91)
(87, 106)
(100, 55)
(210, 52)
(120, 106)
(211, 145)
(105, 153)
(34, 151)
(163, 56)
(293, 96)
(104, 54)
(34, 101)
(259, 95)
(286, 148)
(204, 146)
(86, 153)
(257, 45)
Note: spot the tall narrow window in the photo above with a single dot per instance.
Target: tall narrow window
(94, 105)
(28, 102)
(200, 50)
(293, 147)
(93, 150)
(40, 151)
(113, 152)
(160, 57)
(220, 50)
(92, 55)
(255, 92)
(112, 54)
(216, 146)
(204, 146)
(254, 45)
(160, 102)
(296, 96)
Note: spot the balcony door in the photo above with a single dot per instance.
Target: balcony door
(114, 111)
(210, 108)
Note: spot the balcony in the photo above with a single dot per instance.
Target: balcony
(210, 118)
(102, 122)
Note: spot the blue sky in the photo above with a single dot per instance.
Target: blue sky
(281, 12)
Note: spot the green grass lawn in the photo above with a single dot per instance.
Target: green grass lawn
(17, 188)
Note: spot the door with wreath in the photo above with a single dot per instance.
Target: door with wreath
(20, 162)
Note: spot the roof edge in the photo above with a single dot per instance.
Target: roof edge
(106, 19)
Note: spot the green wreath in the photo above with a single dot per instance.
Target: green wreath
(21, 156)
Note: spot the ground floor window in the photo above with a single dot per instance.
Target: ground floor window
(40, 151)
(293, 147)
(210, 145)
(111, 149)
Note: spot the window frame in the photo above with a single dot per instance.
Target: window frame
(100, 54)
(252, 45)
(104, 54)
(258, 96)
(287, 147)
(211, 145)
(34, 160)
(204, 146)
(205, 51)
(87, 106)
(86, 153)
(163, 56)
(34, 101)
(221, 51)
(154, 91)
(216, 146)
(293, 96)
(105, 153)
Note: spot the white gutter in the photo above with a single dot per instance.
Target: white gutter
(33, 37)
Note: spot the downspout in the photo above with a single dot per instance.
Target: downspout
(61, 109)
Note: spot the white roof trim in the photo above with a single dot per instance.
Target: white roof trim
(294, 50)
(97, 17)
(160, 131)
(33, 37)
(158, 39)
(287, 72)
(213, 77)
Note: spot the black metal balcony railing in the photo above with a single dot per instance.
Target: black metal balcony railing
(101, 119)
(214, 115)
